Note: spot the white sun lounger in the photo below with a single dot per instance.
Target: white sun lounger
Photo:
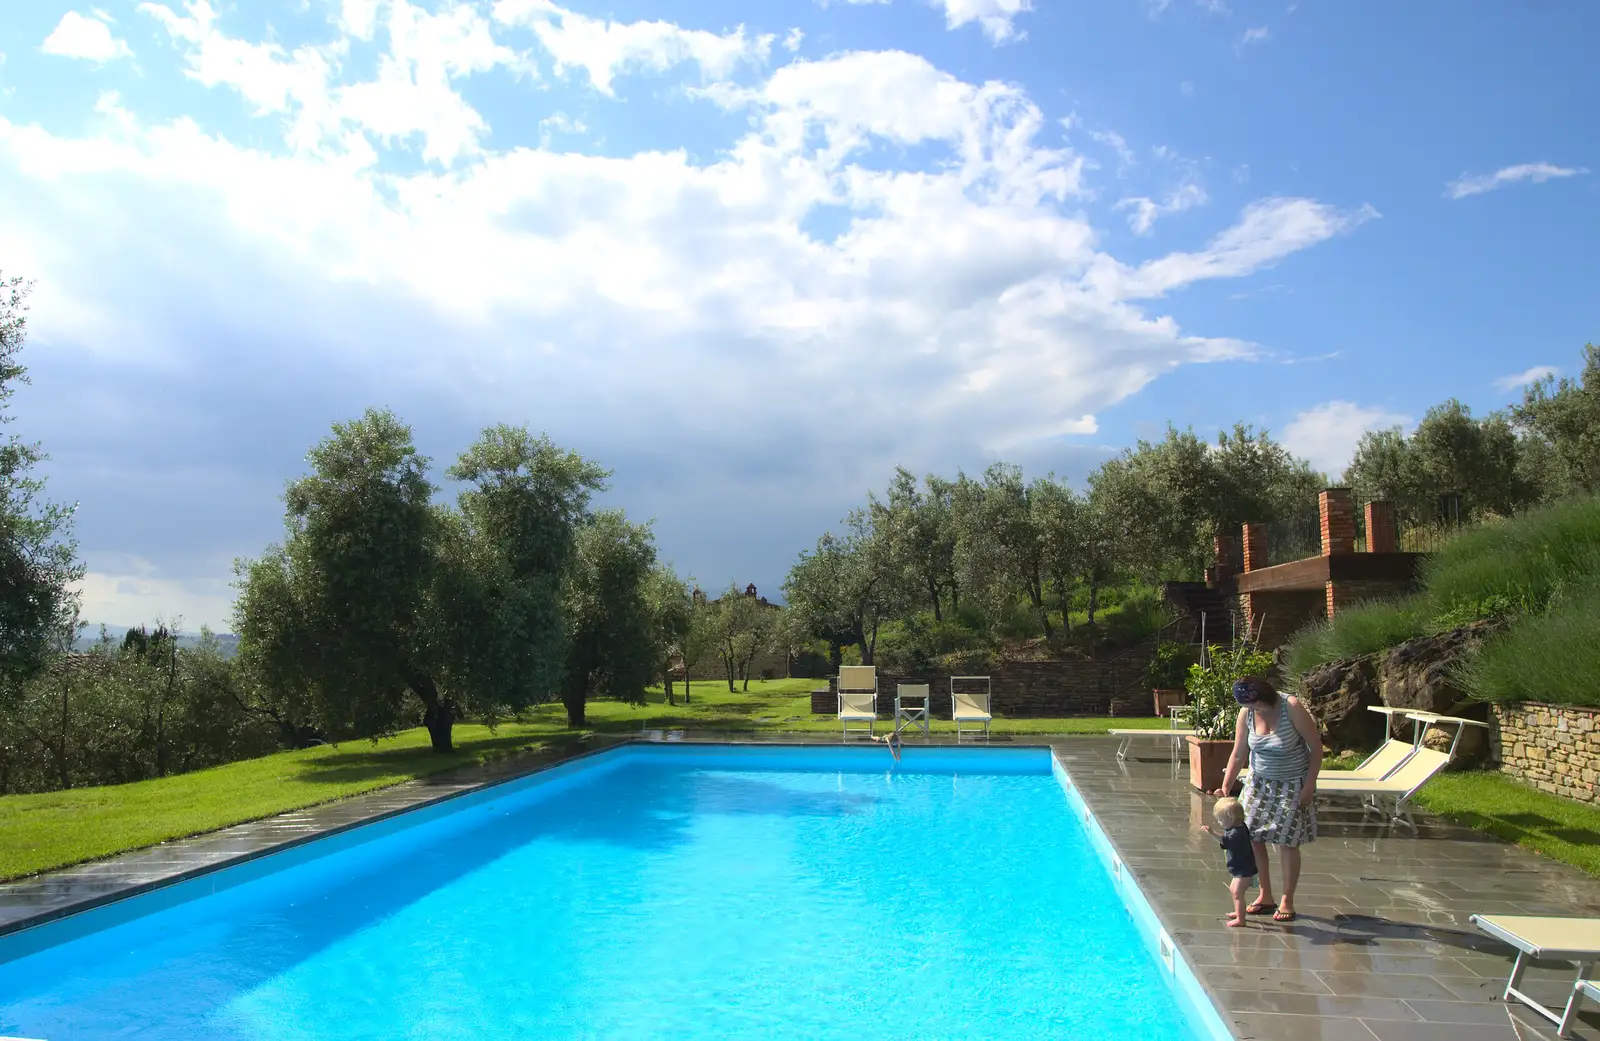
(1175, 738)
(1575, 940)
(858, 697)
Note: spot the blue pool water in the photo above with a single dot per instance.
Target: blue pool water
(647, 893)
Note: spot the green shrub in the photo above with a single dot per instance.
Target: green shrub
(1211, 710)
(1169, 666)
(1307, 649)
(1373, 626)
(1528, 562)
(1551, 657)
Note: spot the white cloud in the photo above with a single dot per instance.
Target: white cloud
(1118, 144)
(792, 41)
(606, 49)
(410, 95)
(1538, 173)
(1213, 6)
(1267, 231)
(958, 302)
(997, 17)
(1327, 434)
(78, 36)
(1522, 379)
(1255, 34)
(1186, 88)
(136, 593)
(1146, 211)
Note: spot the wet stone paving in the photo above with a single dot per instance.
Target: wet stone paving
(1383, 949)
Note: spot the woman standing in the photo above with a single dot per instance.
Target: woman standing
(1279, 739)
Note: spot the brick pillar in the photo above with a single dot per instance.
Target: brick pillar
(1224, 550)
(1337, 595)
(1338, 511)
(1381, 534)
(1255, 547)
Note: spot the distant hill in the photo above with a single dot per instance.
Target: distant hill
(228, 642)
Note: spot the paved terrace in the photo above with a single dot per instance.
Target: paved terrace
(1382, 950)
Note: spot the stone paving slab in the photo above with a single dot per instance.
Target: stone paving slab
(1382, 950)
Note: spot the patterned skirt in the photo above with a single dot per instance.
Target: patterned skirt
(1274, 815)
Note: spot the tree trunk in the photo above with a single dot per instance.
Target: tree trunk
(437, 716)
(577, 709)
(955, 597)
(686, 684)
(666, 681)
(1094, 599)
(835, 655)
(61, 765)
(933, 595)
(870, 647)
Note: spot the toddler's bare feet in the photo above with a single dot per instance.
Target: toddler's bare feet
(1234, 923)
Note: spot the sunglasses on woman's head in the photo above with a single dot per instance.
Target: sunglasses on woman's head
(1245, 693)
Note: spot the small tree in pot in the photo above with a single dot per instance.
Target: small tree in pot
(1212, 713)
(1166, 673)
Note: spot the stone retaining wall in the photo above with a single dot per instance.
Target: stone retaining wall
(1030, 688)
(1555, 748)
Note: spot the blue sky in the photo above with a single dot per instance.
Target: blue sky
(751, 256)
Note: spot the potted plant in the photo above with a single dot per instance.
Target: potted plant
(1212, 713)
(1166, 673)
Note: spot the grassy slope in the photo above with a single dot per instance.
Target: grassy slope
(1559, 828)
(39, 832)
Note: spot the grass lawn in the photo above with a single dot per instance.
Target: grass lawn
(54, 829)
(1559, 828)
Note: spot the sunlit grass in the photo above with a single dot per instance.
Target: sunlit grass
(39, 832)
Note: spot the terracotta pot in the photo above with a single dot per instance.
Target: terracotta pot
(1166, 699)
(1208, 761)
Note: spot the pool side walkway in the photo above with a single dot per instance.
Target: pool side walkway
(1382, 950)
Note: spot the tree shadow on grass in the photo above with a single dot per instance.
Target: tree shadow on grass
(353, 766)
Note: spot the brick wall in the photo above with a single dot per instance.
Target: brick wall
(1347, 592)
(1030, 688)
(1555, 748)
(1277, 615)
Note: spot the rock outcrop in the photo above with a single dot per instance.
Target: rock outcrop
(1416, 674)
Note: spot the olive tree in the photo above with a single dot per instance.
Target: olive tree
(38, 559)
(613, 644)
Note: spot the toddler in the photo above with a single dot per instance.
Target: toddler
(1235, 839)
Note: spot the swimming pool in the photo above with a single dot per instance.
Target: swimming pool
(649, 892)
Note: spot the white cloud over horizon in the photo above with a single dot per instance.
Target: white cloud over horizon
(1518, 380)
(1467, 185)
(1327, 434)
(956, 303)
(85, 38)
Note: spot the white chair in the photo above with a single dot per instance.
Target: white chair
(858, 697)
(1402, 782)
(912, 704)
(973, 708)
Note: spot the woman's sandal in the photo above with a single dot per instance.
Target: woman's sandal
(1282, 915)
(1261, 907)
